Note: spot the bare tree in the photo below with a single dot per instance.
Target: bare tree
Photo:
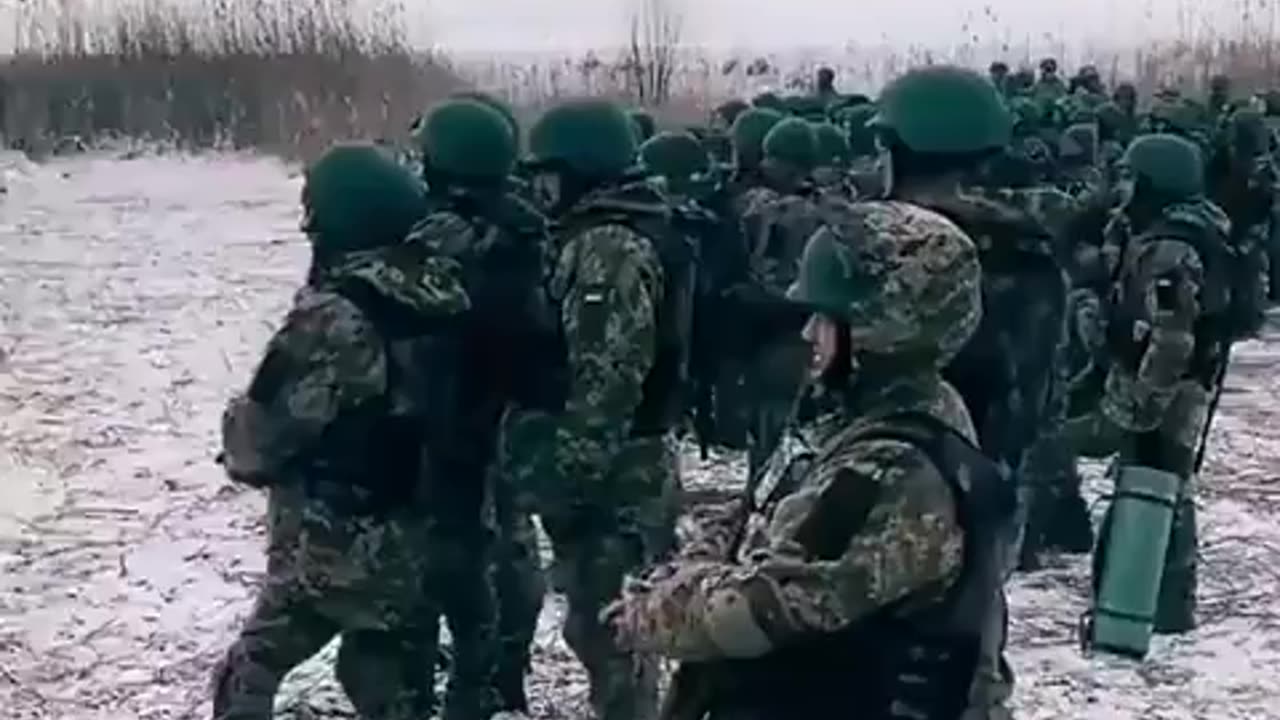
(650, 58)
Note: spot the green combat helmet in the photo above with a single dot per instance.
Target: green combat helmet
(862, 137)
(1021, 82)
(467, 141)
(833, 146)
(1169, 164)
(1176, 114)
(644, 124)
(769, 100)
(1246, 134)
(357, 197)
(906, 279)
(497, 104)
(975, 119)
(1079, 143)
(749, 131)
(1113, 124)
(591, 138)
(675, 156)
(792, 143)
(1025, 114)
(810, 107)
(726, 113)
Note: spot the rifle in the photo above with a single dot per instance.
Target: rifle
(1220, 379)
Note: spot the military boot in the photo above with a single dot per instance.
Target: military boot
(509, 680)
(1068, 527)
(1176, 604)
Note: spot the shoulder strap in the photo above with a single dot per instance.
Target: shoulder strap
(974, 476)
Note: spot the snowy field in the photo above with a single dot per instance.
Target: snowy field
(135, 296)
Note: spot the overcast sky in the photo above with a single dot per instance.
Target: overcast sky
(576, 24)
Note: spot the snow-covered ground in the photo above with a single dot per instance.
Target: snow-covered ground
(135, 296)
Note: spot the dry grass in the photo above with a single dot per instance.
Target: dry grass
(291, 75)
(287, 76)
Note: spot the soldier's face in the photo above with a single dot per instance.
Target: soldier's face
(546, 187)
(823, 335)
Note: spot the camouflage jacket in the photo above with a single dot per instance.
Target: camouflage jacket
(608, 287)
(331, 360)
(706, 605)
(1164, 291)
(1006, 370)
(776, 228)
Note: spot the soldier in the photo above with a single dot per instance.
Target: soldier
(718, 137)
(779, 217)
(825, 84)
(1049, 86)
(603, 470)
(727, 113)
(1116, 130)
(677, 158)
(749, 131)
(331, 426)
(1022, 83)
(1167, 341)
(1241, 179)
(1126, 98)
(644, 125)
(1004, 373)
(835, 158)
(998, 73)
(731, 396)
(1089, 80)
(1077, 167)
(468, 151)
(518, 182)
(769, 100)
(858, 572)
(1219, 101)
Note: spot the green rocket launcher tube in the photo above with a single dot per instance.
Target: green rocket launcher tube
(1123, 615)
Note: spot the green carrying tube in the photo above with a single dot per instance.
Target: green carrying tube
(1141, 524)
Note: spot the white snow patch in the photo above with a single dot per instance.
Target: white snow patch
(135, 296)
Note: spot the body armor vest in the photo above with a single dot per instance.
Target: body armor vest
(913, 659)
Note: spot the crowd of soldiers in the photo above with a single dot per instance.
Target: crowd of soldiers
(914, 313)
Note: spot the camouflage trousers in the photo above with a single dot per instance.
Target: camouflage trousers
(1057, 514)
(520, 587)
(592, 557)
(993, 678)
(1171, 445)
(774, 380)
(458, 588)
(328, 576)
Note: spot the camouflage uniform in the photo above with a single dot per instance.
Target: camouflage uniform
(1050, 86)
(776, 227)
(1057, 517)
(618, 512)
(503, 246)
(602, 470)
(499, 241)
(853, 544)
(1003, 371)
(1165, 370)
(334, 569)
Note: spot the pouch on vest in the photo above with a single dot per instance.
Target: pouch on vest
(1132, 551)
